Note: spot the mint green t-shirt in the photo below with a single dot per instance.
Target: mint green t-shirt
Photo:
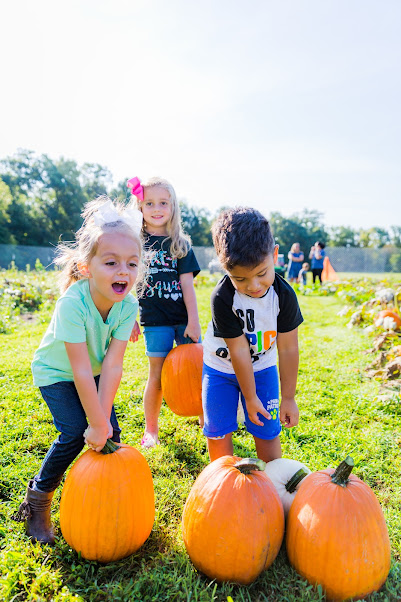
(76, 319)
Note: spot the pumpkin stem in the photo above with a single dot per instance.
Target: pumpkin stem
(110, 447)
(246, 465)
(342, 472)
(293, 483)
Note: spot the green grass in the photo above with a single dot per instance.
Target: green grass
(339, 415)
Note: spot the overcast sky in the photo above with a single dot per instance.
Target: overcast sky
(281, 105)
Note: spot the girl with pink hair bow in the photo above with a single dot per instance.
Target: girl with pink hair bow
(167, 302)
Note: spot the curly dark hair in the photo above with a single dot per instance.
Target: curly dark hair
(242, 236)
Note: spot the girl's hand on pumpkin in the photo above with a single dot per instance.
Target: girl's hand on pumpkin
(193, 331)
(136, 332)
(254, 407)
(96, 437)
(289, 413)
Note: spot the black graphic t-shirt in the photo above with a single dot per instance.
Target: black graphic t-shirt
(162, 303)
(260, 319)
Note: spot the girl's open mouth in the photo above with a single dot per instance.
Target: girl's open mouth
(119, 287)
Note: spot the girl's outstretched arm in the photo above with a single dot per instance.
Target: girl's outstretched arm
(98, 431)
(110, 378)
(193, 329)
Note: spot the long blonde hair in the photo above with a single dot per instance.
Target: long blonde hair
(69, 255)
(180, 242)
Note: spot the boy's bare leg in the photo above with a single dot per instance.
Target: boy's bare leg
(268, 450)
(153, 396)
(220, 447)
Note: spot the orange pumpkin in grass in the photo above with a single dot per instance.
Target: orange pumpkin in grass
(233, 520)
(107, 506)
(388, 313)
(182, 379)
(336, 534)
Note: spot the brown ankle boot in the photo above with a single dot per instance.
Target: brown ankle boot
(35, 511)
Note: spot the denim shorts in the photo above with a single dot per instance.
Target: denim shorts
(159, 340)
(220, 395)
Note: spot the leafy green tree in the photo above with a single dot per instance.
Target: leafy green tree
(305, 228)
(95, 180)
(5, 201)
(48, 196)
(395, 262)
(342, 236)
(395, 233)
(375, 238)
(196, 222)
(121, 192)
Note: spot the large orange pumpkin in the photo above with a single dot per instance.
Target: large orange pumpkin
(233, 520)
(107, 505)
(182, 379)
(336, 534)
(388, 313)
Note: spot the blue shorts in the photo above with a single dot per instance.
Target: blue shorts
(159, 340)
(220, 396)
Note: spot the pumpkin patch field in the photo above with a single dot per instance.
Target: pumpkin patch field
(350, 407)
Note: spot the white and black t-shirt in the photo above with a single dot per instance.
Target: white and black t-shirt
(260, 319)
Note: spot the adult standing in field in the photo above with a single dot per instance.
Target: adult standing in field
(317, 255)
(295, 257)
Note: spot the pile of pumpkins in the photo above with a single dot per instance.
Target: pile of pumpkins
(336, 535)
(236, 513)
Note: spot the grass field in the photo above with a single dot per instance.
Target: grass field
(339, 415)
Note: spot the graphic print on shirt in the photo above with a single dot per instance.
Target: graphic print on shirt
(161, 262)
(257, 320)
(261, 340)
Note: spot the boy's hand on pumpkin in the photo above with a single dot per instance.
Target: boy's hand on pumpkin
(136, 332)
(254, 407)
(289, 413)
(95, 438)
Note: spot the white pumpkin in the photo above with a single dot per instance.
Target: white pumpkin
(286, 475)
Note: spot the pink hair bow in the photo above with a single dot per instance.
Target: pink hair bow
(136, 187)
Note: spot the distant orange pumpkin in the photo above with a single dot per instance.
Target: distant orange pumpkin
(388, 313)
(182, 379)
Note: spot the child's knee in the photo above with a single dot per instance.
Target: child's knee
(155, 382)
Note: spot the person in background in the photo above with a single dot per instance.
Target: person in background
(317, 255)
(295, 257)
(303, 274)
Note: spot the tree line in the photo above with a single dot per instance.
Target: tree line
(41, 200)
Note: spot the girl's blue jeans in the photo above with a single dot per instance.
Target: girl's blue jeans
(69, 418)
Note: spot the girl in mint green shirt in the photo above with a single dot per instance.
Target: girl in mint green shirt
(78, 365)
